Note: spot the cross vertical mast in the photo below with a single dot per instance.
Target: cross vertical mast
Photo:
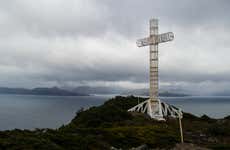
(153, 49)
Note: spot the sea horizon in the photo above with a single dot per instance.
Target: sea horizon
(33, 111)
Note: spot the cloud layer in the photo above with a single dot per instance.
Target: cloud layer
(92, 42)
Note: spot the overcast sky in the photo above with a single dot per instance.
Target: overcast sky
(93, 42)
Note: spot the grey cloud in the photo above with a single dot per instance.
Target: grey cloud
(45, 18)
(96, 17)
(51, 42)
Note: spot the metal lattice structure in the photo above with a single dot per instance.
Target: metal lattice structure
(157, 109)
(153, 106)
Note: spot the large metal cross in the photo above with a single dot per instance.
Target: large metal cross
(152, 41)
(154, 107)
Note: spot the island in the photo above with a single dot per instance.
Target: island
(54, 91)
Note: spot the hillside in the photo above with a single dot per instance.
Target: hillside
(110, 125)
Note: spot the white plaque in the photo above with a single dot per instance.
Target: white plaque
(161, 38)
(165, 37)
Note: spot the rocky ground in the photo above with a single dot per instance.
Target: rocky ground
(184, 146)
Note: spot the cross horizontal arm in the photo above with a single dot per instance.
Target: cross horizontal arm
(161, 38)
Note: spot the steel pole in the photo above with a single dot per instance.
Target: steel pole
(181, 130)
(153, 75)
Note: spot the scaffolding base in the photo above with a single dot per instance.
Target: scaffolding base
(157, 110)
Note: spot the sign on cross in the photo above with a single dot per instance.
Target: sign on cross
(165, 37)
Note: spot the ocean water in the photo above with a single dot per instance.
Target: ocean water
(213, 106)
(30, 112)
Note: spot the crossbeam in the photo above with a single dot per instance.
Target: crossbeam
(156, 39)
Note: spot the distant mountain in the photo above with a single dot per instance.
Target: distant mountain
(145, 92)
(97, 90)
(225, 92)
(120, 91)
(169, 94)
(83, 91)
(39, 91)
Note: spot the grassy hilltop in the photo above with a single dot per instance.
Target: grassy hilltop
(110, 125)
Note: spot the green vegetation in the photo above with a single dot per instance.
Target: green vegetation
(111, 125)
